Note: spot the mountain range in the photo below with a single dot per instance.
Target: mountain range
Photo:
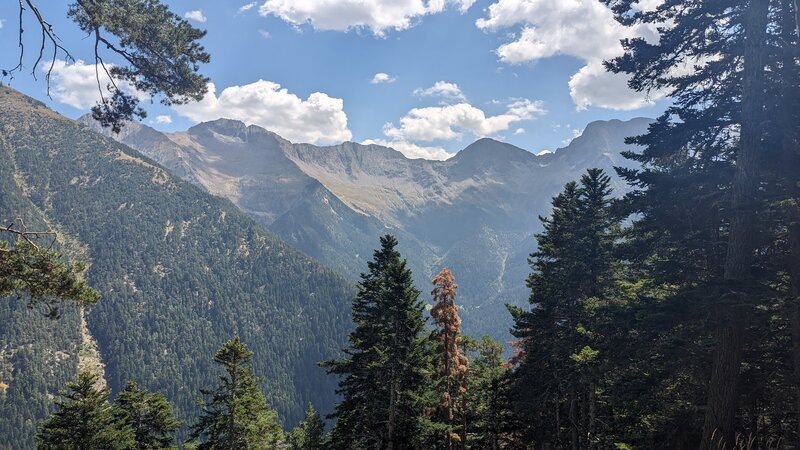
(475, 213)
(180, 271)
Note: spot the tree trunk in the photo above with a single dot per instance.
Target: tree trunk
(392, 415)
(794, 278)
(721, 406)
(592, 415)
(573, 418)
(791, 157)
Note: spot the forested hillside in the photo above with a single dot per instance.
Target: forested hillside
(180, 272)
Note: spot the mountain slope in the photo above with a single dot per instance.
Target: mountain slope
(475, 213)
(180, 272)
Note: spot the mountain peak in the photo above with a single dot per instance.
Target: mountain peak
(488, 149)
(226, 127)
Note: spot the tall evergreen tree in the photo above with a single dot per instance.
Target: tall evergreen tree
(387, 366)
(236, 414)
(707, 174)
(556, 380)
(84, 420)
(148, 415)
(308, 434)
(451, 363)
(488, 412)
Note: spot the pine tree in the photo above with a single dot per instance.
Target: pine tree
(310, 433)
(41, 273)
(84, 420)
(236, 414)
(148, 415)
(386, 368)
(451, 362)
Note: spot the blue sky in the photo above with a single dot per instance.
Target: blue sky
(526, 72)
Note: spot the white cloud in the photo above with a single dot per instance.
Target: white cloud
(443, 89)
(163, 119)
(593, 85)
(264, 33)
(317, 119)
(2, 22)
(584, 29)
(247, 7)
(519, 131)
(76, 84)
(544, 152)
(195, 15)
(451, 121)
(381, 77)
(413, 151)
(379, 16)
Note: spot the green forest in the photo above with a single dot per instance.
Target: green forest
(663, 317)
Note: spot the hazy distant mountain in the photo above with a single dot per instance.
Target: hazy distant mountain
(475, 213)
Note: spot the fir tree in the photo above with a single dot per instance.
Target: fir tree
(555, 382)
(84, 420)
(148, 415)
(709, 173)
(386, 368)
(451, 362)
(310, 433)
(487, 409)
(236, 414)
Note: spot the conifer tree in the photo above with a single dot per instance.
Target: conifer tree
(487, 403)
(709, 166)
(451, 362)
(555, 382)
(235, 414)
(148, 415)
(84, 420)
(310, 433)
(387, 365)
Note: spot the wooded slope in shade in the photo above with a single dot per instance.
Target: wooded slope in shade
(180, 272)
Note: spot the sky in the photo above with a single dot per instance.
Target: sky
(427, 77)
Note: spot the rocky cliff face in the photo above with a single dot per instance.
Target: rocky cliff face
(475, 213)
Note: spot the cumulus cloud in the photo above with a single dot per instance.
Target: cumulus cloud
(76, 84)
(164, 119)
(452, 121)
(448, 91)
(584, 29)
(519, 131)
(413, 151)
(195, 15)
(593, 85)
(381, 77)
(317, 119)
(379, 16)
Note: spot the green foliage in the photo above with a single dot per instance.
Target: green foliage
(308, 434)
(488, 415)
(84, 420)
(148, 415)
(159, 49)
(562, 347)
(43, 276)
(236, 414)
(386, 370)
